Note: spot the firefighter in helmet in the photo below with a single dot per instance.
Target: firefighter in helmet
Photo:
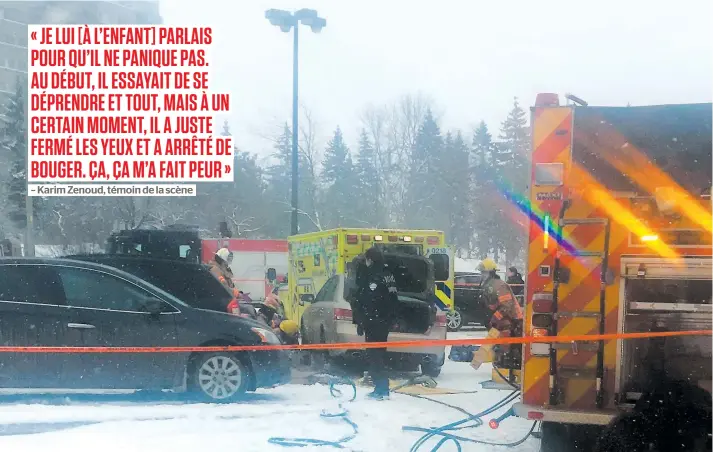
(507, 315)
(220, 268)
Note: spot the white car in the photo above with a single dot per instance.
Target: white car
(328, 317)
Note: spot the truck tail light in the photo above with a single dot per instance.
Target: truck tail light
(352, 239)
(432, 240)
(542, 303)
(540, 332)
(441, 320)
(342, 314)
(535, 415)
(541, 320)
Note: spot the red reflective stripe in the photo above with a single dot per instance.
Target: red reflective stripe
(504, 298)
(498, 315)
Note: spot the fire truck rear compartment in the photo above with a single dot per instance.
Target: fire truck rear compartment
(661, 299)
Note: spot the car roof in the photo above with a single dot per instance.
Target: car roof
(89, 266)
(137, 259)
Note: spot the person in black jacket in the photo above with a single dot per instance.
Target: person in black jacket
(374, 313)
(515, 281)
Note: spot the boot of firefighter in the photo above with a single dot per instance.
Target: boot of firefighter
(485, 353)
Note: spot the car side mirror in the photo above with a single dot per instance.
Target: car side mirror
(271, 274)
(153, 306)
(306, 298)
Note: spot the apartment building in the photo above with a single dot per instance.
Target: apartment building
(16, 15)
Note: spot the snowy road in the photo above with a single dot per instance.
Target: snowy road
(125, 424)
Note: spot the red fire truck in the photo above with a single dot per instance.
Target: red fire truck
(619, 242)
(258, 265)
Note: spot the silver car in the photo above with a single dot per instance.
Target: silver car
(328, 319)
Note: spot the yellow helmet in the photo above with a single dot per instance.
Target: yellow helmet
(289, 327)
(488, 265)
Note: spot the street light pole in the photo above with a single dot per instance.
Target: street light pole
(287, 22)
(295, 136)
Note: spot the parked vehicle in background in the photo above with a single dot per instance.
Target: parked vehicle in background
(251, 258)
(71, 303)
(468, 305)
(328, 316)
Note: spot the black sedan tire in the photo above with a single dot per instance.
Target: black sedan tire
(219, 377)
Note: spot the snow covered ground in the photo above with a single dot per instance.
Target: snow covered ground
(168, 424)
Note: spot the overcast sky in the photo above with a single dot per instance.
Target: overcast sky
(471, 57)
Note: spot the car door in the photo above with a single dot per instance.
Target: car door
(111, 313)
(33, 313)
(313, 317)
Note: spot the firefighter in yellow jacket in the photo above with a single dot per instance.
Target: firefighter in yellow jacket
(507, 313)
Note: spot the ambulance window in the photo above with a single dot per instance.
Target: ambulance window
(549, 174)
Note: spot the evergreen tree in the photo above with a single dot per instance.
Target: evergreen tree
(226, 129)
(339, 181)
(13, 147)
(514, 148)
(368, 190)
(461, 218)
(482, 183)
(424, 178)
(279, 180)
(512, 155)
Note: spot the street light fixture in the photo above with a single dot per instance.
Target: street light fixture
(287, 22)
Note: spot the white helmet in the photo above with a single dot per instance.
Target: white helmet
(224, 253)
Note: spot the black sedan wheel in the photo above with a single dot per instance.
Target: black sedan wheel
(220, 377)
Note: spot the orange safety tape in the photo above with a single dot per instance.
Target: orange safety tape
(357, 345)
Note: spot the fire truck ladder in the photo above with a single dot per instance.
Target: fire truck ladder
(558, 371)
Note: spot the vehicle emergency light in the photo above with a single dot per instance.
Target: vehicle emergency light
(233, 307)
(393, 238)
(432, 240)
(419, 239)
(407, 238)
(378, 238)
(365, 238)
(649, 238)
(352, 239)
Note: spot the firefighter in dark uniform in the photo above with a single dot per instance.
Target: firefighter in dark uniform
(374, 312)
(507, 314)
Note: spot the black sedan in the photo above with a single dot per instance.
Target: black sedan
(63, 302)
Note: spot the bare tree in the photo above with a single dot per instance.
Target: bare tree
(133, 212)
(393, 129)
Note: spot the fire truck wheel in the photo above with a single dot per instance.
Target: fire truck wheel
(558, 437)
(219, 377)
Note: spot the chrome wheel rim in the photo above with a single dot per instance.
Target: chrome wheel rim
(220, 377)
(454, 319)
